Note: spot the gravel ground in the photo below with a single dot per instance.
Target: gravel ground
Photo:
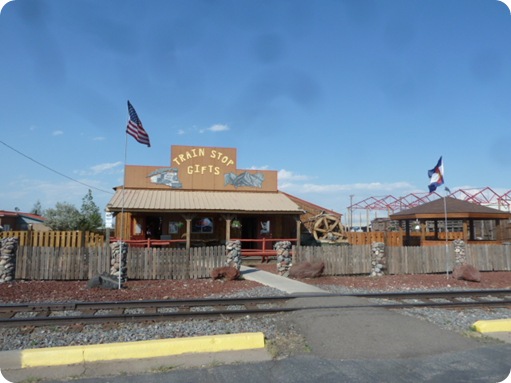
(457, 320)
(271, 325)
(275, 329)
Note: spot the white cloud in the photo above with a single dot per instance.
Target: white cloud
(286, 175)
(337, 197)
(57, 133)
(218, 128)
(105, 168)
(98, 139)
(332, 188)
(255, 167)
(50, 192)
(213, 128)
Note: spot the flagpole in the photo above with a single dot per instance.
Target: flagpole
(436, 176)
(137, 131)
(122, 210)
(446, 237)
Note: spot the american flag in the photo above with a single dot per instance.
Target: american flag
(135, 128)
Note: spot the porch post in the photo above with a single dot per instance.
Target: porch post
(422, 226)
(227, 230)
(188, 218)
(298, 232)
(407, 229)
(465, 231)
(228, 220)
(472, 235)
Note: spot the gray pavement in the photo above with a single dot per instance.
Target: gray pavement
(371, 333)
(287, 285)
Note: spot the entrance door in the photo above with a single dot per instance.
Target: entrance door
(249, 231)
(153, 227)
(264, 231)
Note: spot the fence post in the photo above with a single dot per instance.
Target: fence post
(378, 259)
(29, 237)
(233, 249)
(459, 252)
(284, 260)
(8, 250)
(118, 261)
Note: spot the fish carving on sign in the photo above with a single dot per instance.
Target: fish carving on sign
(244, 179)
(166, 176)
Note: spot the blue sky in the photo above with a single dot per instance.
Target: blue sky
(342, 97)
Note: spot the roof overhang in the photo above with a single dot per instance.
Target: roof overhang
(184, 201)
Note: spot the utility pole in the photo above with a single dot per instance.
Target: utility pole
(351, 211)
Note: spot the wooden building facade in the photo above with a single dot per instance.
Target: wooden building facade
(202, 198)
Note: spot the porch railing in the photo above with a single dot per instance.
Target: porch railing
(263, 246)
(179, 243)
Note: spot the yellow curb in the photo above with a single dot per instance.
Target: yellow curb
(57, 356)
(496, 325)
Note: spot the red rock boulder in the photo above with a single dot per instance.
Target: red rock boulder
(227, 273)
(467, 273)
(307, 270)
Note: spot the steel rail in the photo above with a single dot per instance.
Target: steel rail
(119, 310)
(173, 316)
(138, 304)
(45, 306)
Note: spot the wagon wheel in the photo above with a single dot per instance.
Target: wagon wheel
(329, 228)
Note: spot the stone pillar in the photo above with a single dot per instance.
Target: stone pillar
(8, 250)
(378, 259)
(459, 251)
(284, 260)
(233, 256)
(119, 253)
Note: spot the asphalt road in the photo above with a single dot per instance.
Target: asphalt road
(489, 364)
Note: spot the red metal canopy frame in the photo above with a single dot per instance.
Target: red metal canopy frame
(482, 196)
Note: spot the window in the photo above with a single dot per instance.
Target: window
(202, 225)
(174, 227)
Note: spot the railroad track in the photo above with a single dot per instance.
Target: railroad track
(61, 314)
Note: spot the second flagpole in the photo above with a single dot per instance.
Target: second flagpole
(121, 244)
(446, 236)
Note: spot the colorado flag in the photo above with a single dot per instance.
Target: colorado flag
(436, 176)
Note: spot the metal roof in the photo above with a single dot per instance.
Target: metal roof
(204, 201)
(455, 208)
(35, 217)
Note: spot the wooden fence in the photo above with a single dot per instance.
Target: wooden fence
(166, 263)
(339, 260)
(61, 263)
(351, 260)
(437, 259)
(88, 239)
(55, 238)
(67, 263)
(390, 238)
